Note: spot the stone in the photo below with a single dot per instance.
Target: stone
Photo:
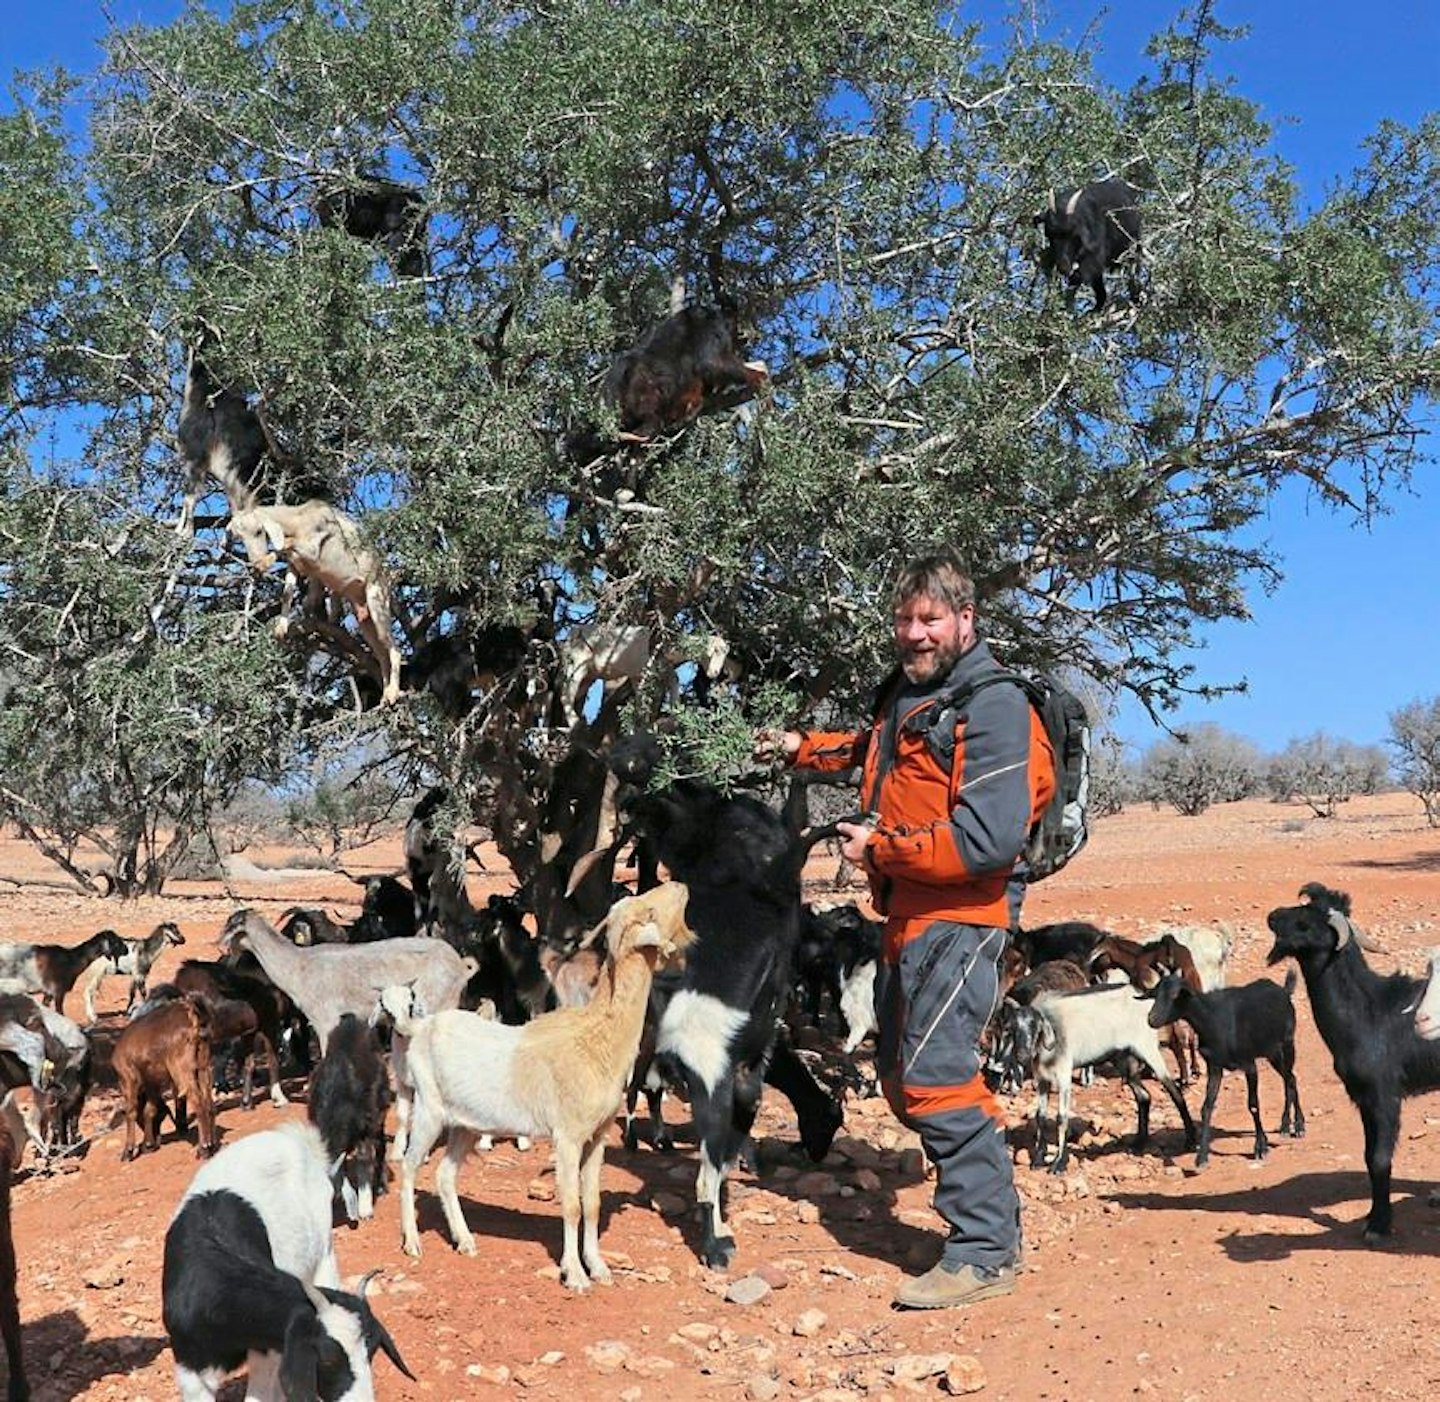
(912, 1163)
(807, 1212)
(964, 1375)
(809, 1324)
(748, 1290)
(867, 1180)
(541, 1190)
(775, 1276)
(762, 1388)
(498, 1376)
(914, 1366)
(606, 1355)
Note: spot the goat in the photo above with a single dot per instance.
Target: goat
(166, 1050)
(349, 1095)
(1062, 1031)
(326, 981)
(29, 1052)
(25, 1114)
(717, 1033)
(1236, 1026)
(220, 437)
(1066, 939)
(1209, 951)
(51, 969)
(510, 972)
(69, 1079)
(271, 1010)
(321, 544)
(384, 213)
(440, 897)
(1144, 965)
(250, 1277)
(664, 380)
(137, 961)
(18, 1387)
(387, 911)
(560, 1076)
(1089, 228)
(1367, 1021)
(306, 925)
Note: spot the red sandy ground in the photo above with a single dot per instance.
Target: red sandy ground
(1142, 1276)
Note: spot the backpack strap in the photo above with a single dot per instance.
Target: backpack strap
(938, 719)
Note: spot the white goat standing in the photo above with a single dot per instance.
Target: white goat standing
(321, 544)
(561, 1075)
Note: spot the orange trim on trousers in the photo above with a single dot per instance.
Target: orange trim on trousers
(912, 1102)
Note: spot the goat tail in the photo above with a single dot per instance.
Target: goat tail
(1292, 977)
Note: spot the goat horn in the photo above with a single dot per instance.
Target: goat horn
(1342, 927)
(1073, 201)
(1052, 199)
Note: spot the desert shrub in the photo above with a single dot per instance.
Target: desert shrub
(1323, 773)
(1415, 738)
(1207, 765)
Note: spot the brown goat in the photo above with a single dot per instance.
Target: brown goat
(166, 1050)
(18, 1389)
(1144, 965)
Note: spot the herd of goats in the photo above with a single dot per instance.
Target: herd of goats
(435, 1017)
(430, 1016)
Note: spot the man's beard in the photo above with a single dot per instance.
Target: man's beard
(933, 665)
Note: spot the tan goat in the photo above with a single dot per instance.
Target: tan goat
(321, 544)
(560, 1076)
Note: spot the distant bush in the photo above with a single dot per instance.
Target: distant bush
(1323, 773)
(1415, 738)
(1207, 765)
(1114, 775)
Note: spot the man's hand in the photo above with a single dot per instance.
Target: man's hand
(853, 837)
(773, 743)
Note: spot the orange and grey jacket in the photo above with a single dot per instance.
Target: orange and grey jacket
(948, 835)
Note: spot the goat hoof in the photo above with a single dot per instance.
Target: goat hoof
(466, 1247)
(1376, 1236)
(718, 1255)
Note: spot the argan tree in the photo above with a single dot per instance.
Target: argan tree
(858, 188)
(1415, 738)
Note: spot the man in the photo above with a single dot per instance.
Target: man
(952, 786)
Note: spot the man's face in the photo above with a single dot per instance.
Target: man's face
(930, 636)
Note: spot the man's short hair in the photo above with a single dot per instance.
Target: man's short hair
(938, 574)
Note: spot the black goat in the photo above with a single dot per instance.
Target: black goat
(349, 1097)
(221, 437)
(664, 380)
(1065, 939)
(1367, 1021)
(384, 213)
(717, 1035)
(1235, 1027)
(1089, 228)
(510, 975)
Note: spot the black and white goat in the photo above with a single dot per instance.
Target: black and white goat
(250, 1277)
(137, 961)
(1367, 1021)
(1061, 1032)
(1235, 1027)
(717, 1034)
(52, 969)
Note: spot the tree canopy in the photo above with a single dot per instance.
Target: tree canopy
(860, 185)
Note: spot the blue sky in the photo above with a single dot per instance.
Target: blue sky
(1354, 629)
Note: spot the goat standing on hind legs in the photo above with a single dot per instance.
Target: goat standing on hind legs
(322, 545)
(561, 1076)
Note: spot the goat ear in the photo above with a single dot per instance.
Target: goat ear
(274, 536)
(300, 1358)
(646, 936)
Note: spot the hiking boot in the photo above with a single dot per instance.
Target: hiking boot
(940, 1288)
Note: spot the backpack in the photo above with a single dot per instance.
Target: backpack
(1062, 829)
